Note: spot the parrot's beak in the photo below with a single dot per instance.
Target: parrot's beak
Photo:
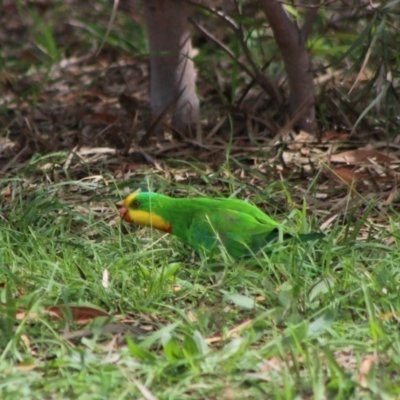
(124, 214)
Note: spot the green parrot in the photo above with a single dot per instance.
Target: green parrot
(205, 224)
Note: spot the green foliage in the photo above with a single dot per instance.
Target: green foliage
(295, 322)
(356, 45)
(298, 322)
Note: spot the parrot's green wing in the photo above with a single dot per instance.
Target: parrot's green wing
(248, 209)
(240, 233)
(242, 229)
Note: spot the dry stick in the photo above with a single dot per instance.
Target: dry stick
(14, 159)
(109, 26)
(160, 116)
(108, 328)
(33, 130)
(132, 132)
(209, 36)
(131, 107)
(257, 73)
(268, 86)
(262, 81)
(289, 125)
(308, 22)
(216, 127)
(291, 41)
(250, 85)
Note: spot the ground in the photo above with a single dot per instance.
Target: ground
(93, 308)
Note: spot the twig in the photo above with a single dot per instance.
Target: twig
(309, 21)
(255, 73)
(209, 36)
(160, 116)
(109, 26)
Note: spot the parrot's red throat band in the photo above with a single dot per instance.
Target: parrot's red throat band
(124, 214)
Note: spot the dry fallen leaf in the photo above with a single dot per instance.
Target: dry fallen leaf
(80, 314)
(346, 175)
(300, 140)
(366, 366)
(231, 333)
(273, 364)
(331, 136)
(105, 280)
(359, 156)
(23, 314)
(26, 367)
(389, 315)
(6, 194)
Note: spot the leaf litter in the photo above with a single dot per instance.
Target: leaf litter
(99, 125)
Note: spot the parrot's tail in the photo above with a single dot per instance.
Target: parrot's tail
(304, 237)
(310, 236)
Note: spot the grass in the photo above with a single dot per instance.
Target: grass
(305, 320)
(312, 319)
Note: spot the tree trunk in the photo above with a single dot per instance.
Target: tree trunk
(292, 43)
(172, 69)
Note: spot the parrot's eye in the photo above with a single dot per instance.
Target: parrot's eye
(135, 204)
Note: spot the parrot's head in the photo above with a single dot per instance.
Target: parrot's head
(143, 208)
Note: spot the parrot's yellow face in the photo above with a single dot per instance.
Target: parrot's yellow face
(137, 209)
